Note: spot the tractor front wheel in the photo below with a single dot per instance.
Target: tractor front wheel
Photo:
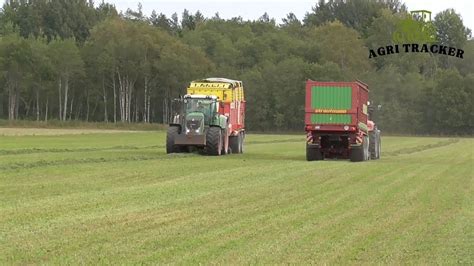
(214, 141)
(172, 132)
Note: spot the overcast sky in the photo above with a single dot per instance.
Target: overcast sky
(253, 9)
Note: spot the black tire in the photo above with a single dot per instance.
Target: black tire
(360, 153)
(373, 143)
(224, 135)
(214, 141)
(313, 154)
(236, 143)
(379, 146)
(357, 153)
(366, 148)
(241, 142)
(172, 132)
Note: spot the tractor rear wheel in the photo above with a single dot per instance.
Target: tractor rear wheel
(379, 145)
(214, 141)
(172, 132)
(241, 141)
(366, 148)
(225, 149)
(373, 144)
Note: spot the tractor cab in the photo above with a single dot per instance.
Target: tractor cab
(199, 111)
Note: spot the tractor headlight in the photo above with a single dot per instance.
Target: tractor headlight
(346, 127)
(197, 131)
(187, 130)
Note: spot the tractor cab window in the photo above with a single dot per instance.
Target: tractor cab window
(204, 106)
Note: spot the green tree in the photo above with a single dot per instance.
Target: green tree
(42, 75)
(67, 64)
(135, 15)
(187, 21)
(342, 46)
(143, 65)
(466, 65)
(161, 21)
(356, 14)
(449, 104)
(450, 29)
(55, 18)
(15, 65)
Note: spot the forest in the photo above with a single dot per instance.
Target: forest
(80, 60)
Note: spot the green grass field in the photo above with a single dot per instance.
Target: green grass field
(104, 198)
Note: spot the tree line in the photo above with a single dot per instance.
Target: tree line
(76, 60)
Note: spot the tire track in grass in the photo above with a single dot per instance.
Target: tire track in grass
(70, 162)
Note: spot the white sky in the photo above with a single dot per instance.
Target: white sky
(278, 9)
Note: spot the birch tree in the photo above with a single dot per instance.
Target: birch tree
(42, 74)
(67, 64)
(15, 64)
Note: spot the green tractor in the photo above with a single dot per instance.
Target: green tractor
(198, 125)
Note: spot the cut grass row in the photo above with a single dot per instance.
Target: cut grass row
(21, 127)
